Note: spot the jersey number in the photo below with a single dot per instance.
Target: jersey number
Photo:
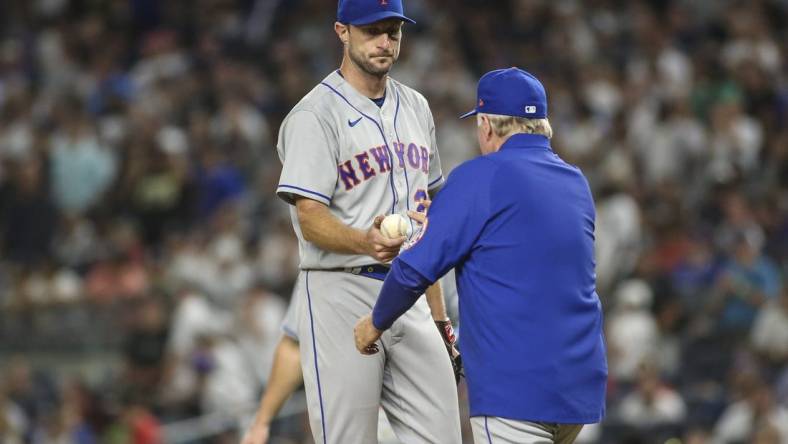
(420, 195)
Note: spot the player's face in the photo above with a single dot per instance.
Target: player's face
(374, 48)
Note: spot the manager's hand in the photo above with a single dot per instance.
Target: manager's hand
(366, 334)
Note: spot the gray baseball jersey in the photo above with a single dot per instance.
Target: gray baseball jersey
(339, 148)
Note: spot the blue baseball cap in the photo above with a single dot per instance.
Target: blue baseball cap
(364, 12)
(510, 92)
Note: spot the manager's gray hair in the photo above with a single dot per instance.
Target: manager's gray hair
(505, 126)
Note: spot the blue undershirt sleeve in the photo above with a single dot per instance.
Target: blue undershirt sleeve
(401, 289)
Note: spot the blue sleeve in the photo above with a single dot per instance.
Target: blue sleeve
(401, 289)
(456, 220)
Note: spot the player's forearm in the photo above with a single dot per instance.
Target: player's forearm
(436, 302)
(323, 229)
(285, 378)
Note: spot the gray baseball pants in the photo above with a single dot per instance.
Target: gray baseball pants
(496, 430)
(411, 377)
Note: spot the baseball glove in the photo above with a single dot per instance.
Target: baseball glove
(449, 340)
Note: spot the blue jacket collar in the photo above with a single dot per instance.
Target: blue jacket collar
(522, 140)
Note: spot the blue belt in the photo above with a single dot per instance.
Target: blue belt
(375, 271)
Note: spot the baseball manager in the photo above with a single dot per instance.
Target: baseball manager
(518, 225)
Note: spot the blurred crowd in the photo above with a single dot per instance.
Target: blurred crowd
(139, 229)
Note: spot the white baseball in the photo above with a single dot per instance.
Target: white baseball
(395, 225)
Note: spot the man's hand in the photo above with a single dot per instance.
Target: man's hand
(257, 434)
(366, 334)
(421, 218)
(379, 247)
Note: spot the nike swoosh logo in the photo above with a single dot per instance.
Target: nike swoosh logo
(352, 124)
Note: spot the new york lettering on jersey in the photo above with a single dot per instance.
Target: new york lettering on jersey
(367, 164)
(386, 150)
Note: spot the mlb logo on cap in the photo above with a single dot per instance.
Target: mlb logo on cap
(510, 92)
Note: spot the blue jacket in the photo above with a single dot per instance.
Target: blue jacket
(518, 226)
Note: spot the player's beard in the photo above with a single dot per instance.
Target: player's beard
(365, 63)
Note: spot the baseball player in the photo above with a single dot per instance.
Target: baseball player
(358, 146)
(518, 225)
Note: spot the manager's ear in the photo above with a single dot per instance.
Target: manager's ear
(342, 31)
(486, 127)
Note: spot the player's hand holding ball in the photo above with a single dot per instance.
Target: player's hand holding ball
(388, 233)
(384, 246)
(395, 225)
